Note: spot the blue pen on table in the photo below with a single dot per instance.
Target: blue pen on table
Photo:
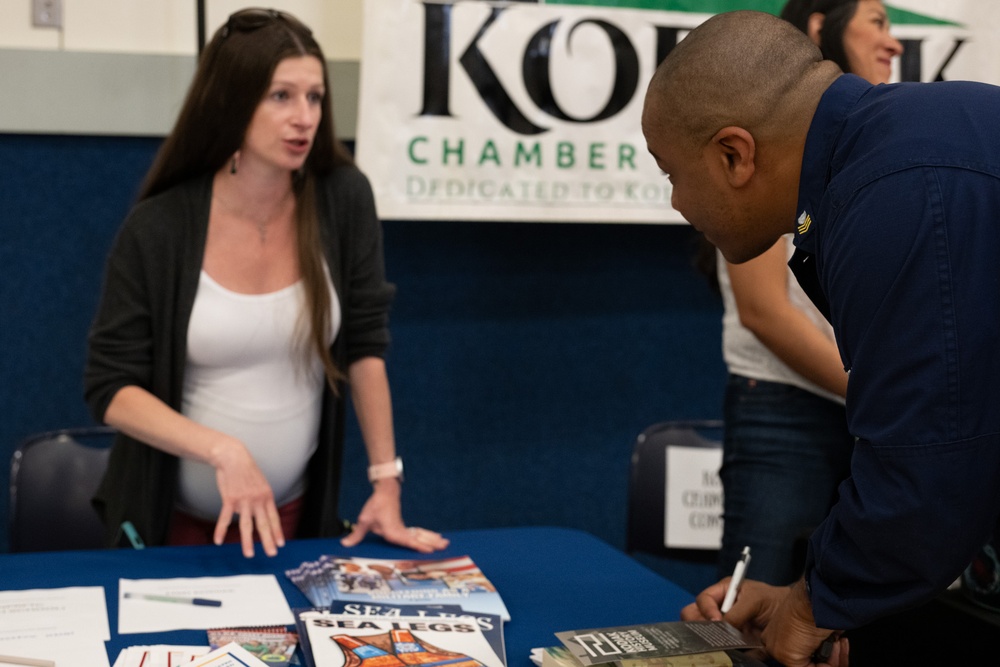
(201, 602)
(739, 572)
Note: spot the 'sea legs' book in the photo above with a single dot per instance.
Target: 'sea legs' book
(490, 624)
(340, 640)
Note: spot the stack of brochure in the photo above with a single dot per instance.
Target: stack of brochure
(678, 644)
(440, 581)
(399, 613)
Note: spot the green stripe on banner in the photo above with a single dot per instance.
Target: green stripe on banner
(899, 16)
(896, 15)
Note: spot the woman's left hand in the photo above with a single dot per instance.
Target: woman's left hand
(383, 516)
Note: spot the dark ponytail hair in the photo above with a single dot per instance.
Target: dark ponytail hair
(837, 14)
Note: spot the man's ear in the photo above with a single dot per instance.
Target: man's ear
(736, 151)
(814, 25)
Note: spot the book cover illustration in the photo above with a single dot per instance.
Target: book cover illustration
(653, 640)
(451, 580)
(491, 625)
(345, 640)
(559, 656)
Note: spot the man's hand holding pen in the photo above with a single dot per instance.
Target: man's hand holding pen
(781, 616)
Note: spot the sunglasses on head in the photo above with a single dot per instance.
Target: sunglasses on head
(248, 20)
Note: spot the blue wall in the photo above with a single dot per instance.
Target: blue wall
(526, 357)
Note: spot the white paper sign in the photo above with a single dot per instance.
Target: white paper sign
(693, 511)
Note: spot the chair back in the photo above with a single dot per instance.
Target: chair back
(53, 476)
(647, 489)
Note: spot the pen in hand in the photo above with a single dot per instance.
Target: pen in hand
(734, 584)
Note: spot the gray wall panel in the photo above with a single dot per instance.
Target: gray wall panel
(72, 92)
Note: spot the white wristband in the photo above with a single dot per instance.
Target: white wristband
(379, 471)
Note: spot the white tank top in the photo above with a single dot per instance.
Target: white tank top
(246, 376)
(744, 353)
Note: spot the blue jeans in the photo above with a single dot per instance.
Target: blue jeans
(785, 451)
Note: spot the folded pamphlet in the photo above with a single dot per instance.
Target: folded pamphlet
(652, 640)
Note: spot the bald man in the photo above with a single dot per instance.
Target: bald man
(893, 192)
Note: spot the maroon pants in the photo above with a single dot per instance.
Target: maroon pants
(186, 529)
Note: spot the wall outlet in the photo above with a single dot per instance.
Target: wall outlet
(46, 13)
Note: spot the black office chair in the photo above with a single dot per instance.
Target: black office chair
(647, 486)
(53, 476)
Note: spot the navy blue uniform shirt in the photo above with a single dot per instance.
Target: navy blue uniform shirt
(899, 205)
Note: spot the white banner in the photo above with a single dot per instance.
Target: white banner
(529, 111)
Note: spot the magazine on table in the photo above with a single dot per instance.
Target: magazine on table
(353, 640)
(490, 624)
(559, 656)
(390, 581)
(653, 640)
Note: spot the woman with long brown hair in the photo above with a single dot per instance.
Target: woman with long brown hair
(243, 295)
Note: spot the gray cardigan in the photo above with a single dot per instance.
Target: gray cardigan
(139, 337)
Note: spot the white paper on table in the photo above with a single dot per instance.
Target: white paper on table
(230, 655)
(247, 599)
(46, 613)
(72, 651)
(159, 655)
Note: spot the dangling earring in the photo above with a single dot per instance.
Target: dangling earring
(232, 163)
